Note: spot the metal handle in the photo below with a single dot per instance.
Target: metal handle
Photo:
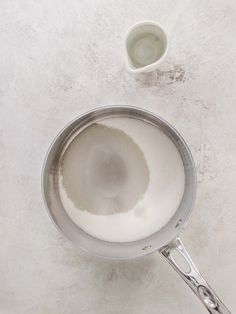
(193, 278)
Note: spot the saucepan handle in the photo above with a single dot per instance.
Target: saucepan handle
(190, 274)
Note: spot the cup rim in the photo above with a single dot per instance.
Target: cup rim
(151, 65)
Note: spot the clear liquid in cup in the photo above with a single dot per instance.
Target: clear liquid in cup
(146, 49)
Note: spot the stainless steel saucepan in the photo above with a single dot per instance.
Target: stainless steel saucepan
(165, 241)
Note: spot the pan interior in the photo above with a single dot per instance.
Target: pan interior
(111, 226)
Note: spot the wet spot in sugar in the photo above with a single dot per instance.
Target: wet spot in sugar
(140, 211)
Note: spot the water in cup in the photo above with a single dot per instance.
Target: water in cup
(145, 49)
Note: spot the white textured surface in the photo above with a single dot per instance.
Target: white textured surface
(60, 58)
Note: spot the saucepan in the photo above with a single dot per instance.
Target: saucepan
(165, 241)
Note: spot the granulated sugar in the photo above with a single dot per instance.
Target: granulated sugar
(121, 179)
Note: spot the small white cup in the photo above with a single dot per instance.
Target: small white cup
(146, 44)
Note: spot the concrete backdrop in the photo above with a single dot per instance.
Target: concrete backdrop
(61, 58)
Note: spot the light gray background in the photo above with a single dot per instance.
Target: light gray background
(60, 58)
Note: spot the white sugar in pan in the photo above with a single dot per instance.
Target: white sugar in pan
(121, 179)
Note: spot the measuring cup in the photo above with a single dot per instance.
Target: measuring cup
(166, 240)
(146, 44)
